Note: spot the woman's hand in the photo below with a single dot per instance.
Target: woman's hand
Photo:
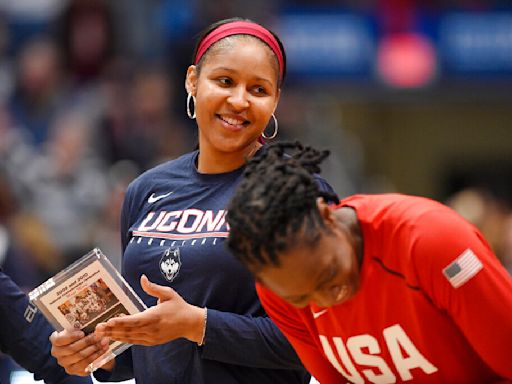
(170, 319)
(74, 351)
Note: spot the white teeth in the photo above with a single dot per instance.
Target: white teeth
(232, 121)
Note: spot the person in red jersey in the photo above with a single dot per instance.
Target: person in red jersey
(377, 289)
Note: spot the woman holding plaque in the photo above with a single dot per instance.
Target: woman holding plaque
(205, 323)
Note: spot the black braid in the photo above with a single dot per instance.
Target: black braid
(274, 202)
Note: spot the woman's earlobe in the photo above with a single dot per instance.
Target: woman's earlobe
(191, 80)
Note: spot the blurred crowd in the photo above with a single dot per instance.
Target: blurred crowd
(79, 119)
(491, 214)
(92, 94)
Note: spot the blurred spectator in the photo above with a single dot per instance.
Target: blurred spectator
(38, 93)
(28, 19)
(154, 128)
(115, 114)
(471, 204)
(41, 258)
(106, 231)
(137, 33)
(138, 124)
(16, 151)
(67, 186)
(87, 38)
(489, 214)
(16, 258)
(13, 259)
(26, 254)
(316, 121)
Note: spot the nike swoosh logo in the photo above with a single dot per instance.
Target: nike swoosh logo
(316, 315)
(153, 199)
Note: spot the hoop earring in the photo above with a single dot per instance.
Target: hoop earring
(190, 115)
(276, 129)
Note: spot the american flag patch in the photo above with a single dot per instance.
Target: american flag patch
(463, 268)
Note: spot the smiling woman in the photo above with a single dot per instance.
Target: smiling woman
(204, 322)
(233, 105)
(380, 288)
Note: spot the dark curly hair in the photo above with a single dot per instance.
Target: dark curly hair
(276, 202)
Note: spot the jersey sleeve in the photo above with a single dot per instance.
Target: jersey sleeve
(230, 336)
(459, 272)
(126, 210)
(24, 335)
(296, 331)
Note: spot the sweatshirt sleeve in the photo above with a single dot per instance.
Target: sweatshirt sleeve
(24, 335)
(248, 341)
(125, 217)
(458, 270)
(230, 336)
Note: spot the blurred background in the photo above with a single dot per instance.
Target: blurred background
(410, 96)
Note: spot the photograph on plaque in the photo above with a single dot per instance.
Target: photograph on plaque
(88, 292)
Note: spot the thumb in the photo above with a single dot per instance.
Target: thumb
(155, 290)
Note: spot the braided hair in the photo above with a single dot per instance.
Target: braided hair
(276, 202)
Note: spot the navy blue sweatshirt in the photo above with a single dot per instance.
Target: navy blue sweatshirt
(173, 230)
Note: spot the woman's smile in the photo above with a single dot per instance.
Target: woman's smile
(236, 93)
(233, 122)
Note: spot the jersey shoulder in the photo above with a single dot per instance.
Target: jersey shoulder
(178, 168)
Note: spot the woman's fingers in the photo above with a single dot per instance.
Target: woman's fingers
(161, 292)
(75, 352)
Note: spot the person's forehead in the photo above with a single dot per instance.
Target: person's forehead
(297, 267)
(234, 45)
(239, 39)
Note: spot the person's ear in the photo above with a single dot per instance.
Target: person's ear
(277, 99)
(325, 212)
(191, 80)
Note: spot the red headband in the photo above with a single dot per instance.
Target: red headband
(241, 28)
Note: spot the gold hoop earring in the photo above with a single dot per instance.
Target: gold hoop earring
(190, 115)
(276, 129)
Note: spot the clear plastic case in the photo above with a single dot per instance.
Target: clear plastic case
(86, 293)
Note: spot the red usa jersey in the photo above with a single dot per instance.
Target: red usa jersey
(434, 304)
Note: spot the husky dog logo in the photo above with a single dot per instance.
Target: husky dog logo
(170, 263)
